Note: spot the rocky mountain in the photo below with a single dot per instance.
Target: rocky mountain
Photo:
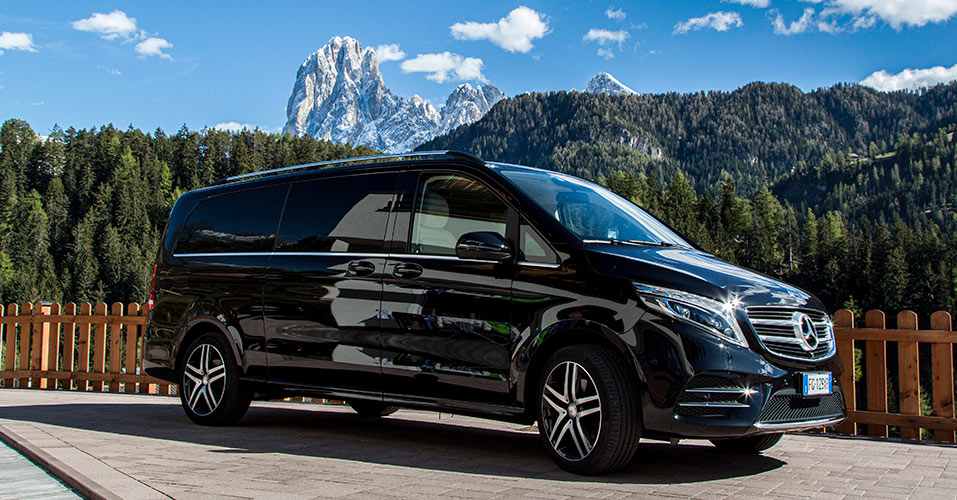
(603, 83)
(339, 95)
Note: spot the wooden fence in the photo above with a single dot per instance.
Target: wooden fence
(905, 343)
(76, 347)
(99, 348)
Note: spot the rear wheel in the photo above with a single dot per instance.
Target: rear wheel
(588, 412)
(747, 445)
(209, 385)
(372, 408)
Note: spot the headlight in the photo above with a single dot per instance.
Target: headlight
(715, 317)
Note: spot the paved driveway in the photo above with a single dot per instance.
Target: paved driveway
(145, 447)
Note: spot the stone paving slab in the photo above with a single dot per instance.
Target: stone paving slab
(139, 446)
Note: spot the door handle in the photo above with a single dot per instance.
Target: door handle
(407, 270)
(360, 268)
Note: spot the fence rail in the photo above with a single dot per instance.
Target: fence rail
(877, 343)
(76, 347)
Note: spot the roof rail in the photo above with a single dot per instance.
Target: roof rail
(470, 158)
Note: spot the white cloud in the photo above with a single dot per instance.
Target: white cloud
(864, 22)
(799, 26)
(911, 79)
(112, 71)
(616, 14)
(154, 47)
(390, 52)
(514, 32)
(900, 12)
(108, 26)
(604, 37)
(720, 21)
(761, 4)
(234, 127)
(445, 67)
(16, 41)
(606, 53)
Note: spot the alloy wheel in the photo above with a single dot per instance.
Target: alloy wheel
(571, 410)
(204, 379)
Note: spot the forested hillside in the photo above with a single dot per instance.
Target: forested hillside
(81, 213)
(752, 135)
(856, 250)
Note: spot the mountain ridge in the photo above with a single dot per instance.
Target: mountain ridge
(340, 95)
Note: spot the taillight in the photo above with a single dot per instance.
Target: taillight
(149, 303)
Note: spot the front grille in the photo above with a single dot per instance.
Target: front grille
(785, 407)
(710, 396)
(775, 329)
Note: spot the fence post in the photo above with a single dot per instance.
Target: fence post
(876, 372)
(52, 345)
(942, 369)
(132, 330)
(25, 337)
(10, 354)
(99, 345)
(116, 343)
(83, 346)
(69, 344)
(41, 337)
(908, 373)
(845, 349)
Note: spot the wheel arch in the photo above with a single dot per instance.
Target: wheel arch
(564, 334)
(199, 326)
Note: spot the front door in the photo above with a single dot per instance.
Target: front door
(323, 283)
(446, 334)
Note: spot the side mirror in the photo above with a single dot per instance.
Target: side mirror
(483, 245)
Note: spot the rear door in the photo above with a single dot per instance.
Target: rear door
(446, 333)
(218, 265)
(323, 283)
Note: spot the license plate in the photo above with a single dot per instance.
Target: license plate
(816, 383)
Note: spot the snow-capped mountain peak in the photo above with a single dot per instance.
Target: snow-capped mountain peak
(339, 95)
(604, 83)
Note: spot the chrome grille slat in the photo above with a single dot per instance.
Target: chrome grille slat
(775, 331)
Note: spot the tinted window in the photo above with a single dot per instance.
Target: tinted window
(533, 246)
(590, 211)
(449, 206)
(346, 214)
(236, 222)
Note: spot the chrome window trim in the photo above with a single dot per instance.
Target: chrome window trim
(334, 254)
(545, 265)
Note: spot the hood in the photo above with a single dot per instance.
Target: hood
(696, 272)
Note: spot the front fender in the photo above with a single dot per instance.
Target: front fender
(533, 353)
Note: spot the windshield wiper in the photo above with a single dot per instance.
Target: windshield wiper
(632, 242)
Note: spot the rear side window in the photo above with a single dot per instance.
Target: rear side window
(236, 222)
(346, 214)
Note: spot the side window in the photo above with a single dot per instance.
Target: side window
(533, 247)
(449, 206)
(236, 222)
(345, 214)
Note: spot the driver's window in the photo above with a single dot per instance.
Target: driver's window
(448, 206)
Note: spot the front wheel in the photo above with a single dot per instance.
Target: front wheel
(589, 415)
(209, 386)
(747, 445)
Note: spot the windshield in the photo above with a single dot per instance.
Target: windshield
(591, 211)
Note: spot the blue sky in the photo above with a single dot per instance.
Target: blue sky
(163, 64)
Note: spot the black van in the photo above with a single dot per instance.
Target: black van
(436, 280)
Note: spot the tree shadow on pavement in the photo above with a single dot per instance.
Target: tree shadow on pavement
(317, 431)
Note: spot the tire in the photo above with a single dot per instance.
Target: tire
(209, 385)
(747, 445)
(579, 438)
(372, 409)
